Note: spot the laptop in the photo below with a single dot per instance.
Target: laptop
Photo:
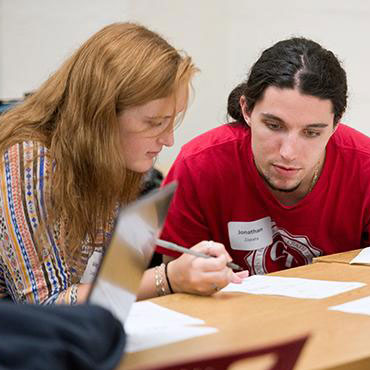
(118, 278)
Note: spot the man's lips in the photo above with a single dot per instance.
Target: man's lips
(286, 170)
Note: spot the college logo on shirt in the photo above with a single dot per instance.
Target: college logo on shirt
(286, 251)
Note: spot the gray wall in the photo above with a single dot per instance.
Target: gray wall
(223, 37)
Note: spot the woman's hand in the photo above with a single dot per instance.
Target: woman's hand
(203, 276)
(83, 291)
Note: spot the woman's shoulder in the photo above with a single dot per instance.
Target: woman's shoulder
(26, 156)
(29, 150)
(26, 145)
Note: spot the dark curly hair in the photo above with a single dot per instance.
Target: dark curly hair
(294, 63)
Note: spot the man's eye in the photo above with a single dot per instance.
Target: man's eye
(312, 133)
(273, 126)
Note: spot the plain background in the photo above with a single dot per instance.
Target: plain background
(223, 37)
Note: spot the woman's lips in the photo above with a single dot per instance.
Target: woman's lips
(152, 154)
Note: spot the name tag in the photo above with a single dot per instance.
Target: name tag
(249, 236)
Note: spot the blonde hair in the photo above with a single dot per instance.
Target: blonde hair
(74, 113)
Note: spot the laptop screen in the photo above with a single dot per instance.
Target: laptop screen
(138, 225)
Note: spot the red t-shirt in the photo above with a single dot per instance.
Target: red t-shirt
(222, 197)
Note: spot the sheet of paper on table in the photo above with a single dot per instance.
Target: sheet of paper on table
(362, 258)
(149, 325)
(292, 287)
(361, 305)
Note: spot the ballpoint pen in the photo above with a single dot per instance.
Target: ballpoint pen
(178, 248)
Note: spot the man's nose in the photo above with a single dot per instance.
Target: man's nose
(289, 147)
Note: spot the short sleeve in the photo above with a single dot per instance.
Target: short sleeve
(185, 222)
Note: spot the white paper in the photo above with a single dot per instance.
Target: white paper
(148, 314)
(150, 325)
(292, 287)
(140, 340)
(363, 257)
(361, 306)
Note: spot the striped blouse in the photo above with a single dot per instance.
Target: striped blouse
(24, 276)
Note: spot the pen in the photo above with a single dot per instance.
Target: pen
(178, 248)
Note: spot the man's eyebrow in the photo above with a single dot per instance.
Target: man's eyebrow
(317, 125)
(272, 116)
(276, 118)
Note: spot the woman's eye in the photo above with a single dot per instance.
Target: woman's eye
(155, 123)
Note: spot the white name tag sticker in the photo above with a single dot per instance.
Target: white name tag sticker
(249, 236)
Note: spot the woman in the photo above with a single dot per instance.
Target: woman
(76, 150)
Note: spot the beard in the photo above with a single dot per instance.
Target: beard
(283, 190)
(276, 188)
(272, 186)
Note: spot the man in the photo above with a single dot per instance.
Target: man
(284, 183)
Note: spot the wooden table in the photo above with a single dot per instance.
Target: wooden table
(344, 257)
(338, 340)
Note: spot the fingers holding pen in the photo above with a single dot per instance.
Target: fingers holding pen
(215, 250)
(187, 273)
(221, 257)
(204, 276)
(238, 277)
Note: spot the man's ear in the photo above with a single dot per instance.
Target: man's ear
(244, 109)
